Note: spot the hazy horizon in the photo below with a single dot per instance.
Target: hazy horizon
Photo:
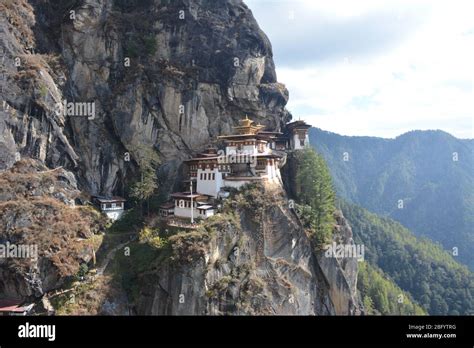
(390, 137)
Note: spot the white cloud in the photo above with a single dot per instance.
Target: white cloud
(424, 80)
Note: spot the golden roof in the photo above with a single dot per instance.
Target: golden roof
(247, 126)
(246, 122)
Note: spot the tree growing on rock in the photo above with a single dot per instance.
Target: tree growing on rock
(315, 195)
(148, 161)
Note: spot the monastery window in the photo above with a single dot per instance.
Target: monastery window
(213, 176)
(181, 203)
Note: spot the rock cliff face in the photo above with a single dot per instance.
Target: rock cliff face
(168, 74)
(171, 75)
(254, 259)
(30, 85)
(37, 216)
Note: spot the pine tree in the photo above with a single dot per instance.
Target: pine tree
(315, 190)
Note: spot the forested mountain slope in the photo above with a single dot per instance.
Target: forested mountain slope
(423, 179)
(431, 275)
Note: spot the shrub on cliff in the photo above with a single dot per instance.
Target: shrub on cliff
(147, 235)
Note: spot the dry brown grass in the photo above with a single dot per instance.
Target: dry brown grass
(20, 16)
(188, 247)
(88, 297)
(29, 214)
(54, 227)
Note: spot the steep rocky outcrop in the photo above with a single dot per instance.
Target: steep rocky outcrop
(171, 75)
(39, 218)
(30, 86)
(255, 258)
(166, 74)
(341, 272)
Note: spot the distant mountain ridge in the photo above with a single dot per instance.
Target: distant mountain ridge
(423, 179)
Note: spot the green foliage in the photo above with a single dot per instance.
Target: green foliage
(148, 161)
(140, 45)
(381, 295)
(434, 279)
(83, 269)
(152, 237)
(251, 197)
(145, 234)
(308, 217)
(417, 167)
(315, 195)
(128, 269)
(132, 49)
(130, 221)
(187, 247)
(144, 188)
(150, 45)
(43, 91)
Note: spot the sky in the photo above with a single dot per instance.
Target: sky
(374, 67)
